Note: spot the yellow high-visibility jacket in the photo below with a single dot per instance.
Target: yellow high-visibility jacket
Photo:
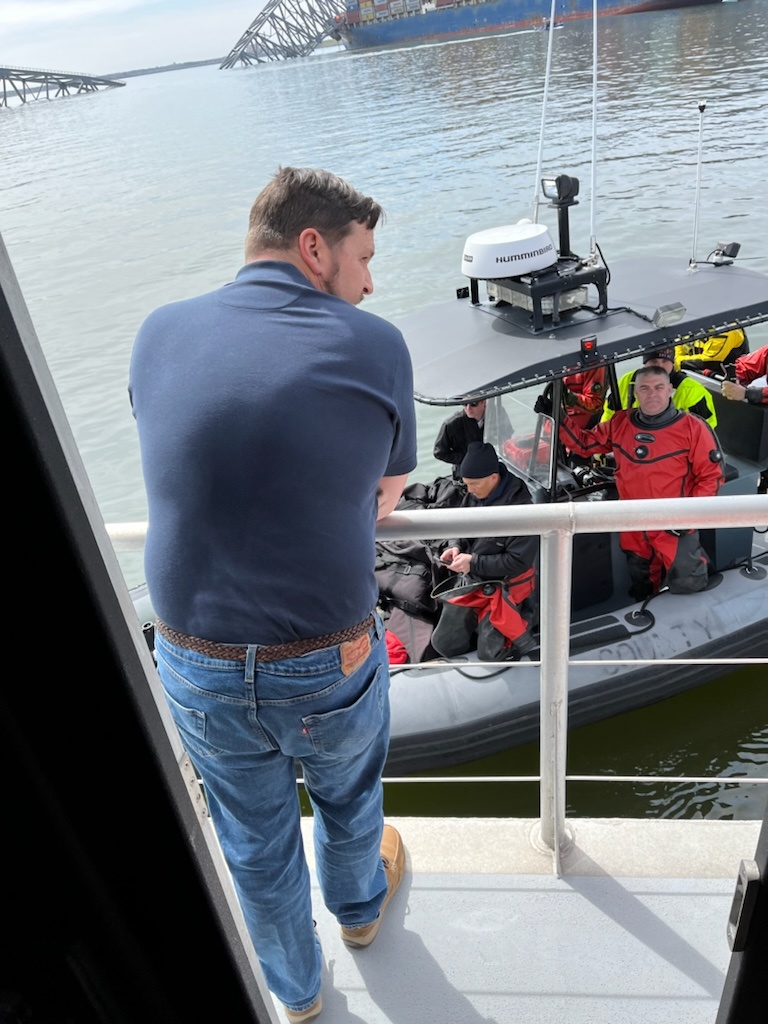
(720, 348)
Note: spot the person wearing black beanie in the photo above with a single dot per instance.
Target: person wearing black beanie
(494, 596)
(480, 461)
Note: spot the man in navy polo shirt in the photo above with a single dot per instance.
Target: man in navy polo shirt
(276, 425)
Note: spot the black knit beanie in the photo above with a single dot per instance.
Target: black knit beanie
(481, 460)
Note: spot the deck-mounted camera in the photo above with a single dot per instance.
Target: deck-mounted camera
(725, 253)
(521, 266)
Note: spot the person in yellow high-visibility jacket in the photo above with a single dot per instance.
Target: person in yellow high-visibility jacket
(716, 355)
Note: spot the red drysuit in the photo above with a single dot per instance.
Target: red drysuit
(679, 458)
(751, 367)
(585, 396)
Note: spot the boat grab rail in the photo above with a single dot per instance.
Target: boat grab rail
(556, 525)
(570, 517)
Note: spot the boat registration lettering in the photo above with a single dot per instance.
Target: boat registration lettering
(624, 651)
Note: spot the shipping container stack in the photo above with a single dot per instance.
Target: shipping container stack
(413, 6)
(366, 10)
(353, 12)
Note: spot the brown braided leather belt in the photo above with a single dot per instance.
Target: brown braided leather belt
(276, 652)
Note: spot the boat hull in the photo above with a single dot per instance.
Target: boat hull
(487, 18)
(450, 715)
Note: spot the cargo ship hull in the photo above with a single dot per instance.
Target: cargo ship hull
(381, 23)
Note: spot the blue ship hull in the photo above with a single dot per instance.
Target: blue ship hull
(485, 18)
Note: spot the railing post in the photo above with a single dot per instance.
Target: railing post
(555, 596)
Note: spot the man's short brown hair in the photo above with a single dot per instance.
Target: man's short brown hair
(651, 370)
(301, 197)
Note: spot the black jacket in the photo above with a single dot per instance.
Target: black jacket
(500, 558)
(455, 436)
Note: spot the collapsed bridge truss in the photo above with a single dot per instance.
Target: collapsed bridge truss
(284, 29)
(21, 85)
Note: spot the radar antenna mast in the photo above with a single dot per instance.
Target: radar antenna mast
(547, 73)
(697, 201)
(593, 173)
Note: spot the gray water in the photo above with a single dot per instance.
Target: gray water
(116, 202)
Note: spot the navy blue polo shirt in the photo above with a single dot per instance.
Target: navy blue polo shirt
(267, 413)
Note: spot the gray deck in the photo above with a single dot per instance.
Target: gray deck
(482, 931)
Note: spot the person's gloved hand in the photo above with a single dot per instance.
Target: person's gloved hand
(570, 399)
(543, 405)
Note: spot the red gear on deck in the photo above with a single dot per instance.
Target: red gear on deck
(397, 652)
(501, 604)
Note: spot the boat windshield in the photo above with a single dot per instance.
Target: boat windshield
(522, 438)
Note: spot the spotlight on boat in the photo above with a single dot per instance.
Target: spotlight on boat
(666, 316)
(561, 190)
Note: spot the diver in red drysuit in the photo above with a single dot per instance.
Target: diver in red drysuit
(660, 452)
(584, 396)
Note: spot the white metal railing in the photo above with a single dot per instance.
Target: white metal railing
(556, 524)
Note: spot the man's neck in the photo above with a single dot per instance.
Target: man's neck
(660, 418)
(292, 256)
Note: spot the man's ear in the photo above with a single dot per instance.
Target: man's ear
(314, 250)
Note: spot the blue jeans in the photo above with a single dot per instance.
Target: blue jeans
(243, 723)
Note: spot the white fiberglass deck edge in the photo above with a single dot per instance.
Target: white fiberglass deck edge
(669, 848)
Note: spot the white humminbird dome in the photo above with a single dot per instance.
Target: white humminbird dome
(508, 251)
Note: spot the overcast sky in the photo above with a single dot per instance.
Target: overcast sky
(102, 36)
